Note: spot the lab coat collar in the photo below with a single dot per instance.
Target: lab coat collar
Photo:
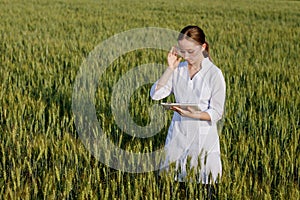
(206, 65)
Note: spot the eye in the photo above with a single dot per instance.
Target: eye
(191, 51)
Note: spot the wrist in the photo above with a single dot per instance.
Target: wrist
(171, 67)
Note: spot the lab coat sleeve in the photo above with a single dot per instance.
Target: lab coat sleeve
(162, 92)
(217, 101)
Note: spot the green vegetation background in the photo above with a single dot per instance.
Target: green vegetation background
(42, 45)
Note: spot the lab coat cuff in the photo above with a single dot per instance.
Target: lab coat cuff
(214, 116)
(159, 94)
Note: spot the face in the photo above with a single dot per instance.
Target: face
(190, 51)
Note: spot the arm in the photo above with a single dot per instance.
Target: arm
(173, 62)
(192, 113)
(164, 78)
(217, 101)
(163, 87)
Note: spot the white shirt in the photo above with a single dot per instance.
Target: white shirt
(194, 137)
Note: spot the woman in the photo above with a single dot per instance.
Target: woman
(193, 134)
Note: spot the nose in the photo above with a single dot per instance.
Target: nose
(186, 55)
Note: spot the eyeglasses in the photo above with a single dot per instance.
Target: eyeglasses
(182, 52)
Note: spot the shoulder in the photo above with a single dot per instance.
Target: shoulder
(213, 72)
(211, 67)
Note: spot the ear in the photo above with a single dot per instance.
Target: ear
(203, 46)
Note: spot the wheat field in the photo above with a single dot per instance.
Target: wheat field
(43, 44)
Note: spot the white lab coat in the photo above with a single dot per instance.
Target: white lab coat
(187, 137)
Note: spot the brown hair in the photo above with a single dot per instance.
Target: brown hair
(195, 34)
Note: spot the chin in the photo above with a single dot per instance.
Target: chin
(190, 61)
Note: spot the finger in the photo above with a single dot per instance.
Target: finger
(190, 109)
(171, 52)
(175, 51)
(178, 60)
(178, 109)
(174, 108)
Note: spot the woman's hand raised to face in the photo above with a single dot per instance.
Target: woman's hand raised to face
(173, 60)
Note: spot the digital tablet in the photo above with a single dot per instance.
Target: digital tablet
(181, 105)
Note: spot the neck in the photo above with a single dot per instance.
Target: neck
(197, 66)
